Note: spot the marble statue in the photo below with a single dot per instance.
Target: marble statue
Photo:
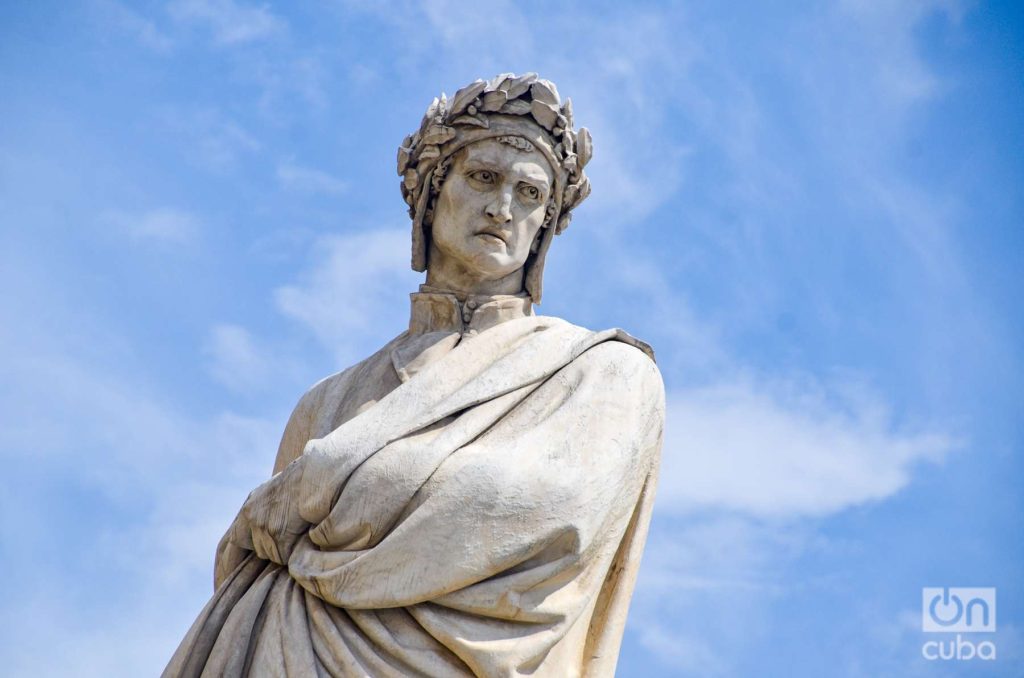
(473, 498)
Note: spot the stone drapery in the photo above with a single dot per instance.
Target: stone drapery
(478, 493)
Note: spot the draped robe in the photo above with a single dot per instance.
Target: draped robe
(478, 494)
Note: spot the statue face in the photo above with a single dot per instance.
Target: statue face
(491, 207)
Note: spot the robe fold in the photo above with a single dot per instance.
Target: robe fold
(477, 496)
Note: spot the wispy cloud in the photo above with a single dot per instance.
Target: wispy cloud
(786, 451)
(308, 180)
(226, 22)
(129, 22)
(229, 22)
(210, 138)
(235, 359)
(289, 79)
(162, 225)
(354, 294)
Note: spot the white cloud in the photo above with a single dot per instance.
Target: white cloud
(897, 69)
(749, 471)
(229, 22)
(130, 22)
(785, 452)
(164, 224)
(211, 139)
(236, 360)
(307, 180)
(355, 293)
(462, 26)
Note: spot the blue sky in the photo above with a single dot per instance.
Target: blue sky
(813, 211)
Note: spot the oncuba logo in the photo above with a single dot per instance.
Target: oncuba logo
(958, 610)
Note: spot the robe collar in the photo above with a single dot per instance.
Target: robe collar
(435, 310)
(438, 322)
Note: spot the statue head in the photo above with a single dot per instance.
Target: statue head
(493, 174)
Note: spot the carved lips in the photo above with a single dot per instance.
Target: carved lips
(496, 233)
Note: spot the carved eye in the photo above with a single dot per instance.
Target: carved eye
(530, 192)
(483, 176)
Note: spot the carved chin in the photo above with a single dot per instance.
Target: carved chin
(493, 262)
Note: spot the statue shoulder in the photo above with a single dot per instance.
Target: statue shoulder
(622, 357)
(335, 385)
(615, 333)
(334, 399)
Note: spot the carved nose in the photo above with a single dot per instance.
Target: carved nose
(500, 210)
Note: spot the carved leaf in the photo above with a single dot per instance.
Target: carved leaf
(545, 114)
(569, 140)
(431, 110)
(429, 153)
(500, 82)
(571, 164)
(584, 146)
(403, 159)
(438, 134)
(569, 196)
(563, 222)
(471, 120)
(411, 179)
(493, 101)
(518, 87)
(545, 91)
(567, 112)
(584, 190)
(464, 97)
(516, 107)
